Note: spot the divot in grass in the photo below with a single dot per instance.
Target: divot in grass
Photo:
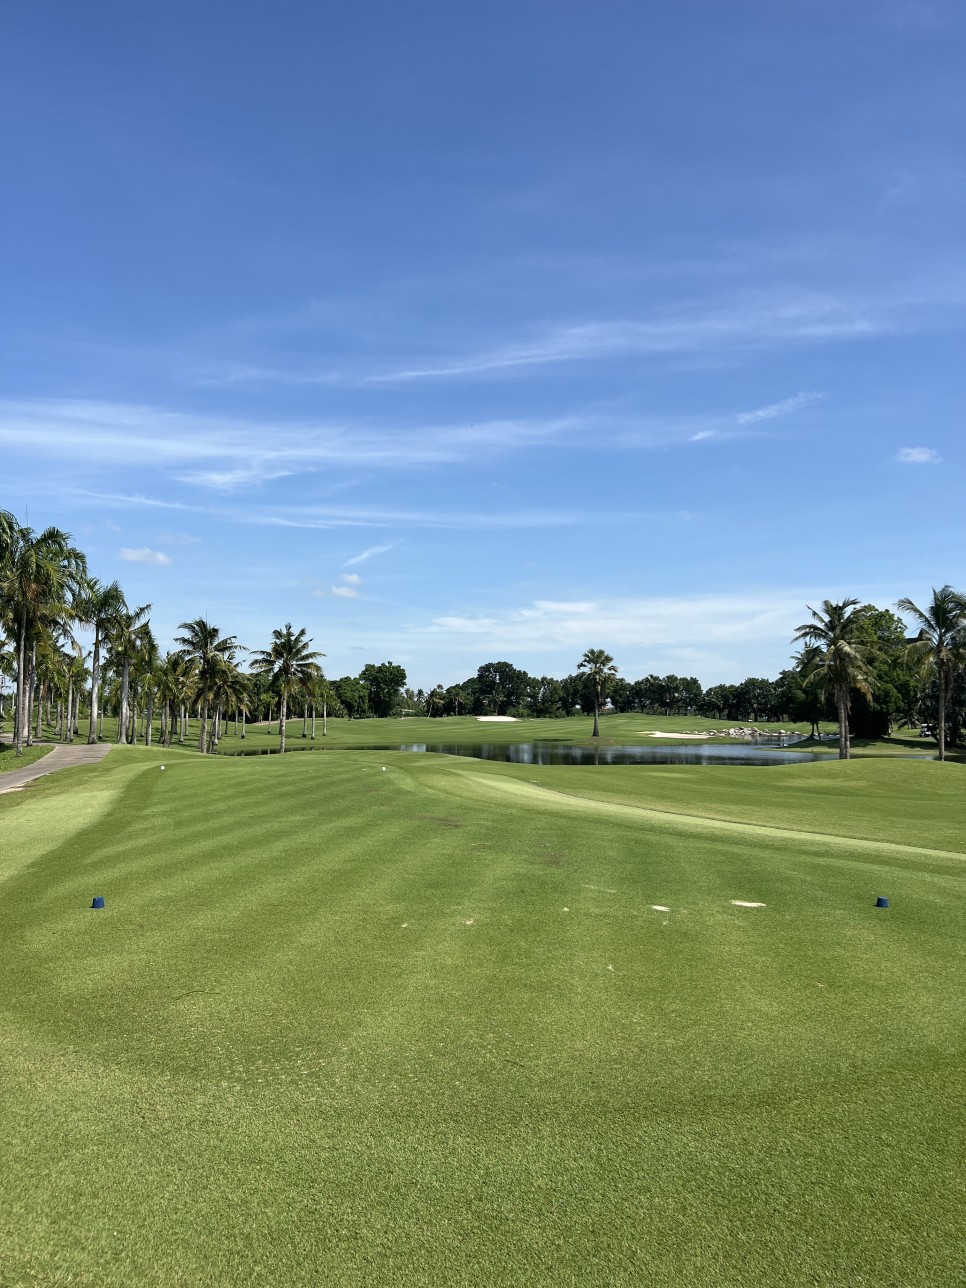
(743, 903)
(658, 907)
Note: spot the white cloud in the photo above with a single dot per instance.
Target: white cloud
(795, 403)
(918, 456)
(352, 578)
(145, 555)
(611, 623)
(366, 554)
(344, 592)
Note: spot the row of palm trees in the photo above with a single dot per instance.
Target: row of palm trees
(47, 593)
(838, 653)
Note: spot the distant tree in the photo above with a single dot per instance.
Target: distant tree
(204, 645)
(457, 700)
(837, 657)
(544, 697)
(290, 664)
(755, 699)
(97, 606)
(599, 668)
(436, 701)
(130, 640)
(383, 684)
(499, 686)
(940, 646)
(353, 696)
(719, 702)
(620, 694)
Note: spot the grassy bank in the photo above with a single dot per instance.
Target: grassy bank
(424, 1026)
(30, 755)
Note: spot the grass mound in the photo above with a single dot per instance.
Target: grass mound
(481, 1024)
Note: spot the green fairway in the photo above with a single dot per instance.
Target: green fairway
(426, 1026)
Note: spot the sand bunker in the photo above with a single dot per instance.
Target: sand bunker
(497, 719)
(659, 733)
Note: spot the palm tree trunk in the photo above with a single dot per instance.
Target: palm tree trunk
(94, 685)
(305, 719)
(203, 733)
(325, 717)
(148, 720)
(243, 722)
(942, 717)
(21, 685)
(281, 721)
(596, 733)
(70, 709)
(31, 684)
(313, 720)
(842, 701)
(123, 714)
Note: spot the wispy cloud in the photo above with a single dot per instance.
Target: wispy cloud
(918, 456)
(751, 323)
(224, 456)
(783, 408)
(144, 555)
(322, 518)
(370, 553)
(344, 592)
(352, 579)
(627, 622)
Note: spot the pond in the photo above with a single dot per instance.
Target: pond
(562, 753)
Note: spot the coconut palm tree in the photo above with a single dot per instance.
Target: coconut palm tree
(205, 645)
(838, 657)
(98, 605)
(40, 574)
(288, 664)
(600, 669)
(940, 646)
(128, 637)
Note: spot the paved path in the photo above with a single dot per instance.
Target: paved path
(64, 756)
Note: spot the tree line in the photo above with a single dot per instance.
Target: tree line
(857, 665)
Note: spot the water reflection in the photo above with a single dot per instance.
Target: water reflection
(561, 753)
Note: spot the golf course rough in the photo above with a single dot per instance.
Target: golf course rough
(469, 1023)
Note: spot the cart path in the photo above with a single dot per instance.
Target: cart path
(64, 756)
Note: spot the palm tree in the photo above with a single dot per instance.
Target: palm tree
(940, 646)
(288, 664)
(838, 657)
(98, 606)
(600, 670)
(129, 640)
(40, 574)
(206, 647)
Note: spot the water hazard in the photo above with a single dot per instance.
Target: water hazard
(562, 753)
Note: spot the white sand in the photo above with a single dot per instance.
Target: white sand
(743, 903)
(498, 719)
(659, 733)
(659, 907)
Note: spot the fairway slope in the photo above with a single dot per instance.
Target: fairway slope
(481, 1024)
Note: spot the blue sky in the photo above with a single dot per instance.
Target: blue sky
(460, 333)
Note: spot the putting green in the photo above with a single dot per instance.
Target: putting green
(427, 1026)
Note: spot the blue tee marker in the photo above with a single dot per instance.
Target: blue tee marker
(881, 902)
(97, 901)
